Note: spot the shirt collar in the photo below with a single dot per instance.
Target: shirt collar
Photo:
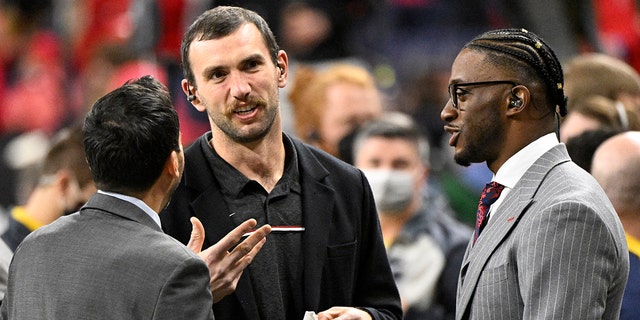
(515, 167)
(137, 202)
(233, 181)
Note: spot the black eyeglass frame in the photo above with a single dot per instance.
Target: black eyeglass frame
(454, 87)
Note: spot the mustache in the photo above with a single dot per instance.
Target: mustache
(249, 101)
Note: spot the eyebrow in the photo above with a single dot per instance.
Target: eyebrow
(253, 57)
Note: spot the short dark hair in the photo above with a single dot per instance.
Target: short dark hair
(526, 52)
(393, 125)
(129, 134)
(220, 22)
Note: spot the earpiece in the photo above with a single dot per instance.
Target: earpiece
(515, 103)
(191, 96)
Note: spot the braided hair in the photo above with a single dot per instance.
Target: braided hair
(522, 46)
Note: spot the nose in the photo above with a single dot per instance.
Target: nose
(448, 112)
(239, 85)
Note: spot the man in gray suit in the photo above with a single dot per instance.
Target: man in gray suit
(111, 260)
(553, 247)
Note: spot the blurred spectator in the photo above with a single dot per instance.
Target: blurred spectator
(32, 71)
(64, 184)
(598, 112)
(329, 103)
(33, 103)
(615, 166)
(600, 74)
(425, 244)
(603, 92)
(582, 147)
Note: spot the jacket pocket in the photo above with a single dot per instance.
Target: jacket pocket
(339, 274)
(341, 250)
(493, 276)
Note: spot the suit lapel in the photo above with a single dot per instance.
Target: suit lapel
(504, 220)
(315, 218)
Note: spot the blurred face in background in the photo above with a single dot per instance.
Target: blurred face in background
(395, 172)
(347, 107)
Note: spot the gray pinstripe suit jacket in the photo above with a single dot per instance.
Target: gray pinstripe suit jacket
(554, 249)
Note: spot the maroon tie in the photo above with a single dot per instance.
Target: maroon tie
(490, 194)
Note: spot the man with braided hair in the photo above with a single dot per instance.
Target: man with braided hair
(551, 245)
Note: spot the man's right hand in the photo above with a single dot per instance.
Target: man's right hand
(227, 259)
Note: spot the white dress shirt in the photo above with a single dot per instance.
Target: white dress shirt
(514, 168)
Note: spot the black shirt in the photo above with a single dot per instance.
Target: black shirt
(276, 272)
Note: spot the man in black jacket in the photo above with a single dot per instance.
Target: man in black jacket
(325, 253)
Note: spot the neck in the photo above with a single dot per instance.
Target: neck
(262, 161)
(45, 205)
(516, 140)
(154, 198)
(392, 224)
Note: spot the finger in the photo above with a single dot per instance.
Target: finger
(248, 258)
(234, 236)
(217, 256)
(325, 316)
(337, 313)
(197, 235)
(252, 244)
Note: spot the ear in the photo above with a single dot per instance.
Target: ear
(191, 94)
(63, 181)
(282, 68)
(519, 100)
(172, 166)
(68, 189)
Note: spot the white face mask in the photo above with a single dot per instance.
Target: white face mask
(392, 189)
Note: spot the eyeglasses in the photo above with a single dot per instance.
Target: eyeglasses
(453, 88)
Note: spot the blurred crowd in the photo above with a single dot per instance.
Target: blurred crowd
(58, 57)
(353, 64)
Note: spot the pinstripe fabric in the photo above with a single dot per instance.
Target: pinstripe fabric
(554, 249)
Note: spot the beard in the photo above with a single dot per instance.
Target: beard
(257, 131)
(480, 142)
